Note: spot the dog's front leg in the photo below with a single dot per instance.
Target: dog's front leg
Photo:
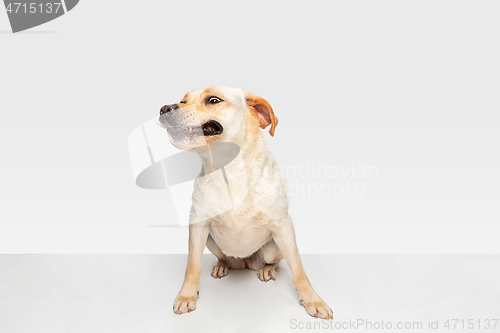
(186, 300)
(284, 236)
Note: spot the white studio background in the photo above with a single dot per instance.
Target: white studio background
(408, 89)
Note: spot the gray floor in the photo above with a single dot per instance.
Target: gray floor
(134, 293)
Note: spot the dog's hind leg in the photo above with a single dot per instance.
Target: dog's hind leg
(221, 269)
(268, 272)
(266, 261)
(224, 262)
(214, 248)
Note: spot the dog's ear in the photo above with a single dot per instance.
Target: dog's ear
(263, 110)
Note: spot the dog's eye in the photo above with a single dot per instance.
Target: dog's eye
(214, 100)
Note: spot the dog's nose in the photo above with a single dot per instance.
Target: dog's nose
(169, 108)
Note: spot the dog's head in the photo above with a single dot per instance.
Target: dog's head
(216, 114)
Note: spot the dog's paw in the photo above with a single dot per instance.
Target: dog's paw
(268, 272)
(220, 270)
(183, 304)
(318, 309)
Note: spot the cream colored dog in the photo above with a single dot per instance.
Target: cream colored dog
(257, 233)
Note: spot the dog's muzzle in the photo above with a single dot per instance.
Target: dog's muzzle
(169, 115)
(176, 121)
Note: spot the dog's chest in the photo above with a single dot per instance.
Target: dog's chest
(240, 236)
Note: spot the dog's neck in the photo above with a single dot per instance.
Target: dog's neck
(254, 155)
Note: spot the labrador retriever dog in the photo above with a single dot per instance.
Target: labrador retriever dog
(256, 233)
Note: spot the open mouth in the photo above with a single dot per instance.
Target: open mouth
(210, 128)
